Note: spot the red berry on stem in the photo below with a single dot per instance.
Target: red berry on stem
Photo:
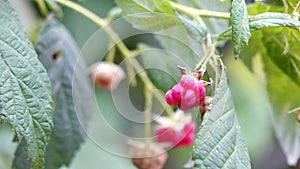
(169, 98)
(176, 93)
(201, 93)
(181, 138)
(188, 100)
(189, 93)
(187, 82)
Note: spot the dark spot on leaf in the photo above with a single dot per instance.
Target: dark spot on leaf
(24, 53)
(56, 55)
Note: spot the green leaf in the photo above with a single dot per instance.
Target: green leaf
(272, 19)
(177, 42)
(214, 25)
(162, 6)
(148, 15)
(282, 72)
(268, 19)
(71, 88)
(284, 94)
(254, 47)
(219, 142)
(195, 30)
(240, 26)
(72, 91)
(160, 66)
(271, 2)
(288, 62)
(25, 92)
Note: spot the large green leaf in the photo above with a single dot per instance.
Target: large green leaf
(71, 89)
(25, 93)
(219, 142)
(148, 15)
(240, 26)
(284, 94)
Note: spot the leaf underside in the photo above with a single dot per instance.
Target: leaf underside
(219, 142)
(263, 20)
(25, 92)
(240, 26)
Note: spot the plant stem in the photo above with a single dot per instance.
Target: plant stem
(206, 57)
(295, 13)
(294, 110)
(148, 104)
(42, 7)
(204, 13)
(286, 6)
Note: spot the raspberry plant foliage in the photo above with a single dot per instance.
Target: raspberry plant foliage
(266, 29)
(59, 54)
(25, 94)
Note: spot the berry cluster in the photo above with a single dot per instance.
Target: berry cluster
(181, 138)
(189, 93)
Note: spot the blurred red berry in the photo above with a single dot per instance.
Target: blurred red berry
(181, 138)
(107, 75)
(148, 156)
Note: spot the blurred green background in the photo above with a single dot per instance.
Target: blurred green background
(248, 90)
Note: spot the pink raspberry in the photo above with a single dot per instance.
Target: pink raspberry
(188, 100)
(176, 93)
(200, 93)
(169, 98)
(188, 82)
(189, 93)
(182, 138)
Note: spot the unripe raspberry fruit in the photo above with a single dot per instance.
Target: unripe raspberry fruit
(189, 93)
(182, 138)
(107, 75)
(148, 156)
